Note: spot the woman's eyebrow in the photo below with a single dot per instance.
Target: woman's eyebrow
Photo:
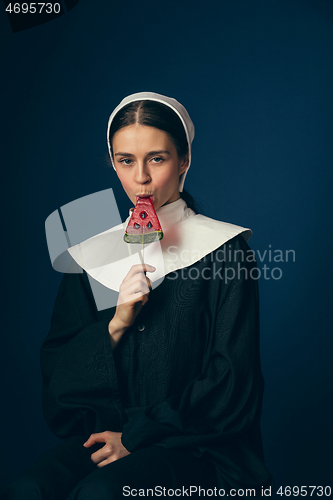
(158, 152)
(162, 151)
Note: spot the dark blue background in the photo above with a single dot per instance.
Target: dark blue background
(257, 79)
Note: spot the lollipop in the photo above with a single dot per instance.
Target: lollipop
(143, 226)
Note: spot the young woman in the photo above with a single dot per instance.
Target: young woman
(164, 389)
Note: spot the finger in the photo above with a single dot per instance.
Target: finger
(134, 300)
(135, 294)
(139, 268)
(136, 285)
(100, 455)
(112, 458)
(109, 460)
(136, 280)
(95, 438)
(136, 290)
(144, 300)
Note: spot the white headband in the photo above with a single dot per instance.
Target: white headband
(173, 104)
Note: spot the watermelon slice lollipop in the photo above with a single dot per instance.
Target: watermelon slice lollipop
(143, 226)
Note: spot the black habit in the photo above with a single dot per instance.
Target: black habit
(185, 375)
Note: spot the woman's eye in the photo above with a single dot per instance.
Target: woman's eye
(126, 161)
(157, 159)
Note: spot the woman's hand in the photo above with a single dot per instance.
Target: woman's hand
(112, 450)
(133, 295)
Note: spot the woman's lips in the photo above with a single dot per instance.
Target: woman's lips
(145, 196)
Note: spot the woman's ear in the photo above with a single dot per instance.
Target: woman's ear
(183, 164)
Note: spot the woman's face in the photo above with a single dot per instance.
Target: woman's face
(147, 163)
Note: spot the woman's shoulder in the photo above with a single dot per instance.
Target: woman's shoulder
(202, 236)
(235, 249)
(221, 226)
(210, 234)
(233, 238)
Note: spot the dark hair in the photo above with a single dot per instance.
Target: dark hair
(158, 115)
(190, 201)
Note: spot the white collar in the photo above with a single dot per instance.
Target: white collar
(188, 237)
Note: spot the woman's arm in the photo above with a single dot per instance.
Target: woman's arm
(80, 387)
(133, 295)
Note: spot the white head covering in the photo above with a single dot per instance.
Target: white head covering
(175, 106)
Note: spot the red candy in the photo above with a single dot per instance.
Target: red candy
(143, 226)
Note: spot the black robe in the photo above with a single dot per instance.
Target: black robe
(186, 374)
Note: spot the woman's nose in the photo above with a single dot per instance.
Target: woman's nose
(142, 174)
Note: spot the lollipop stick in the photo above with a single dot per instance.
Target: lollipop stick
(141, 254)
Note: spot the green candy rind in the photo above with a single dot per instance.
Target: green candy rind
(143, 238)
